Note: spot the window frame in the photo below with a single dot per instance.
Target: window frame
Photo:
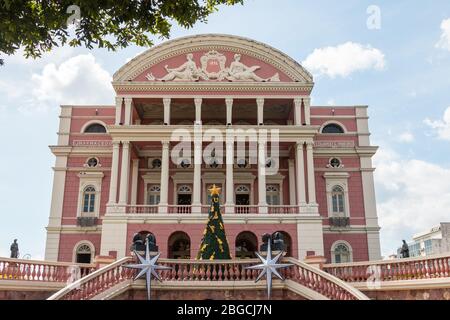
(333, 251)
(332, 122)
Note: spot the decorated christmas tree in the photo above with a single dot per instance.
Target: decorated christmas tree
(214, 245)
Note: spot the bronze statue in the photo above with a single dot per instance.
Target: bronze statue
(405, 250)
(14, 249)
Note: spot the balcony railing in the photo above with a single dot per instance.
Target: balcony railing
(204, 209)
(182, 209)
(143, 209)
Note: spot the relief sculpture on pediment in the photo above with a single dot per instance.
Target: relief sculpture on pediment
(213, 68)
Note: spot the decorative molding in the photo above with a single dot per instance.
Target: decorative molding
(208, 42)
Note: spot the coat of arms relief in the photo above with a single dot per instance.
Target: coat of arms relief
(213, 68)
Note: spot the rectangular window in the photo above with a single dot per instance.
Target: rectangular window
(335, 204)
(86, 203)
(92, 203)
(428, 246)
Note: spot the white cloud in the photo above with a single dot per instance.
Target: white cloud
(406, 137)
(444, 41)
(344, 59)
(78, 80)
(441, 127)
(416, 196)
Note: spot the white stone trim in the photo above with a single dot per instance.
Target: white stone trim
(333, 121)
(64, 126)
(87, 124)
(333, 248)
(153, 178)
(94, 179)
(78, 244)
(114, 237)
(309, 237)
(333, 179)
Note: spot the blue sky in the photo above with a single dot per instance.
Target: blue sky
(401, 71)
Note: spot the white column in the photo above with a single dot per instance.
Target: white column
(306, 104)
(229, 203)
(166, 102)
(229, 104)
(164, 185)
(114, 174)
(128, 110)
(119, 101)
(260, 104)
(300, 176)
(298, 111)
(124, 173)
(262, 204)
(292, 198)
(310, 168)
(196, 201)
(198, 110)
(134, 181)
(373, 229)
(56, 209)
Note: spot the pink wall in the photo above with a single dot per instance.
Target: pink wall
(357, 241)
(162, 233)
(67, 244)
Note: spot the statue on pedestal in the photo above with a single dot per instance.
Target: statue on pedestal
(139, 242)
(14, 249)
(404, 250)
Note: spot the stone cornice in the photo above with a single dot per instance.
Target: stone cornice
(124, 87)
(159, 133)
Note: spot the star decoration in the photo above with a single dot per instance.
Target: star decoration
(148, 267)
(269, 266)
(214, 190)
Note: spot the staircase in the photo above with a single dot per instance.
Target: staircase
(302, 279)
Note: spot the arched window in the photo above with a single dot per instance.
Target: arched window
(154, 195)
(95, 128)
(83, 254)
(341, 253)
(89, 199)
(332, 128)
(242, 196)
(179, 245)
(337, 200)
(184, 195)
(272, 195)
(246, 245)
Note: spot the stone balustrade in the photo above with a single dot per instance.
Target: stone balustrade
(187, 209)
(392, 270)
(216, 271)
(43, 271)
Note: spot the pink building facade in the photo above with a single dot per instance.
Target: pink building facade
(203, 110)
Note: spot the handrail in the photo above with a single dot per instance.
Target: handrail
(398, 260)
(343, 290)
(207, 270)
(43, 271)
(44, 262)
(437, 266)
(75, 286)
